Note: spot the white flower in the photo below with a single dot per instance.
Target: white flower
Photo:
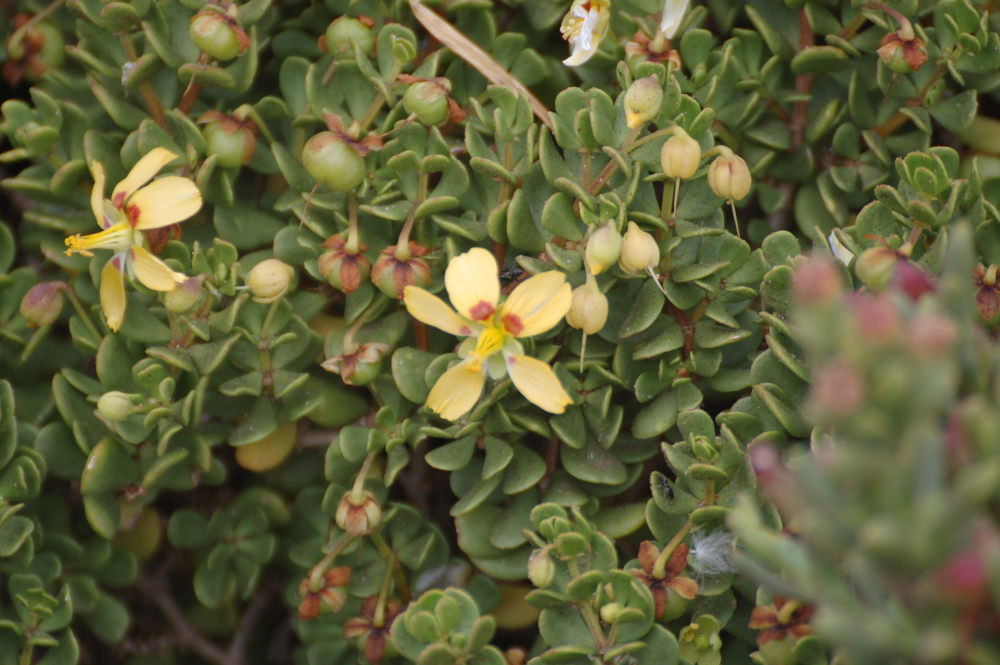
(584, 26)
(673, 14)
(840, 252)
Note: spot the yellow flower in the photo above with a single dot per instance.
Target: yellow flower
(584, 26)
(536, 305)
(132, 209)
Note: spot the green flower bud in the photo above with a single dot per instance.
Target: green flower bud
(218, 34)
(342, 266)
(116, 406)
(642, 101)
(875, 266)
(185, 296)
(729, 177)
(428, 100)
(589, 308)
(639, 250)
(603, 248)
(541, 570)
(680, 155)
(269, 280)
(343, 31)
(331, 161)
(231, 140)
(43, 303)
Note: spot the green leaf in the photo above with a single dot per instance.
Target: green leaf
(956, 113)
(452, 456)
(109, 467)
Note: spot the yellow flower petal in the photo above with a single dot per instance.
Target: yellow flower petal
(143, 171)
(113, 294)
(537, 304)
(457, 391)
(97, 196)
(163, 202)
(433, 311)
(473, 284)
(154, 273)
(538, 383)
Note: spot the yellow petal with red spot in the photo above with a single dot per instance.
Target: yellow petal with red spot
(538, 303)
(473, 284)
(112, 295)
(538, 383)
(154, 273)
(457, 391)
(163, 202)
(97, 195)
(143, 171)
(433, 311)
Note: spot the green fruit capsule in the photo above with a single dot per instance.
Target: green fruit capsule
(233, 145)
(344, 30)
(428, 100)
(217, 35)
(331, 161)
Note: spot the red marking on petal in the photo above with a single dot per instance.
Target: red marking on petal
(119, 200)
(513, 324)
(116, 260)
(132, 213)
(465, 331)
(481, 311)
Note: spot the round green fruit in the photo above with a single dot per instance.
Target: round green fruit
(428, 101)
(344, 30)
(331, 161)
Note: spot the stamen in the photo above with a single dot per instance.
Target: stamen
(490, 341)
(118, 237)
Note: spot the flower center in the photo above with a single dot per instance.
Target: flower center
(118, 237)
(490, 341)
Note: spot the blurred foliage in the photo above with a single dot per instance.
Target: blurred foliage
(780, 223)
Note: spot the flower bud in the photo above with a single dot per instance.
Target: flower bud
(115, 405)
(340, 266)
(680, 155)
(610, 612)
(875, 265)
(428, 100)
(541, 570)
(912, 280)
(231, 140)
(360, 367)
(344, 30)
(324, 594)
(603, 248)
(902, 55)
(639, 250)
(642, 101)
(358, 517)
(218, 35)
(185, 296)
(331, 161)
(588, 310)
(729, 177)
(987, 293)
(394, 271)
(43, 303)
(269, 280)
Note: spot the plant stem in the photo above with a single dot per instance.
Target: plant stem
(193, 89)
(402, 586)
(26, 653)
(612, 166)
(82, 311)
(587, 612)
(660, 566)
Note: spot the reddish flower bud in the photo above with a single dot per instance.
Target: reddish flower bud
(818, 281)
(912, 280)
(358, 517)
(394, 270)
(43, 303)
(340, 266)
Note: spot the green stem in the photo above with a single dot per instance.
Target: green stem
(26, 654)
(660, 566)
(378, 619)
(403, 243)
(612, 166)
(402, 586)
(82, 311)
(358, 490)
(317, 572)
(588, 613)
(348, 343)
